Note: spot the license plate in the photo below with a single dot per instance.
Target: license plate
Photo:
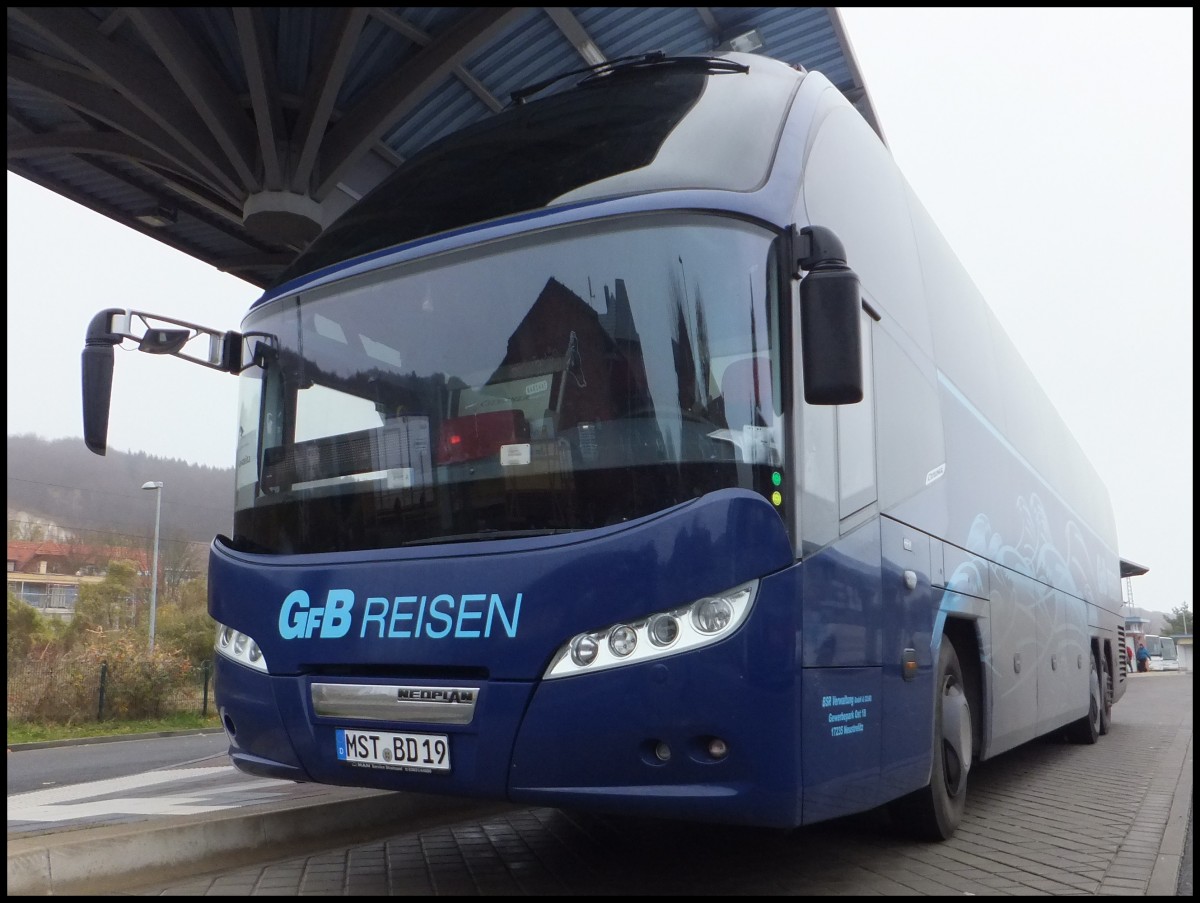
(403, 752)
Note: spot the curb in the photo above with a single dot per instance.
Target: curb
(1164, 877)
(110, 738)
(99, 860)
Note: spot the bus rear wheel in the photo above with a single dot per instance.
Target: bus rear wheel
(1106, 694)
(934, 812)
(1087, 730)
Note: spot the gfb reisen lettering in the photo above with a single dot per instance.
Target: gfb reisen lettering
(435, 616)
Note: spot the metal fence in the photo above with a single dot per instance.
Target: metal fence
(71, 692)
(48, 598)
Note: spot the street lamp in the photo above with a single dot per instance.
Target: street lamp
(156, 485)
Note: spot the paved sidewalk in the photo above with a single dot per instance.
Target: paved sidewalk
(86, 838)
(1047, 818)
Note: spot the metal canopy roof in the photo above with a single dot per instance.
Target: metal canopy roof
(1133, 569)
(235, 134)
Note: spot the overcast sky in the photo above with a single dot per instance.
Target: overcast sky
(1053, 147)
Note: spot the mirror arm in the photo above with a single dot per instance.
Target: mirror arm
(817, 248)
(112, 326)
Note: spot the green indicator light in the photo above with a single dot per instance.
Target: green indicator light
(777, 498)
(776, 478)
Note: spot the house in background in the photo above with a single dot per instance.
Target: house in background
(1183, 643)
(48, 575)
(1136, 627)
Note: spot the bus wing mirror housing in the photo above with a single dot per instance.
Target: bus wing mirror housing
(97, 379)
(224, 351)
(830, 319)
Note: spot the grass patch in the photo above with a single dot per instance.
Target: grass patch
(25, 732)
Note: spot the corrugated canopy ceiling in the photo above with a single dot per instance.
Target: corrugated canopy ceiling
(234, 134)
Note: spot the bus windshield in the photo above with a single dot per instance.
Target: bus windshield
(559, 381)
(1161, 647)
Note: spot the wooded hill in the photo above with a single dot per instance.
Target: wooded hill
(62, 483)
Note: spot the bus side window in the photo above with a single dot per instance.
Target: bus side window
(856, 437)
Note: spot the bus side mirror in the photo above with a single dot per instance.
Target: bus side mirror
(97, 379)
(830, 320)
(229, 352)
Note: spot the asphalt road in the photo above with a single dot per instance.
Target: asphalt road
(103, 758)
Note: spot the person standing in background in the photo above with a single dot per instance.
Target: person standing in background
(1143, 657)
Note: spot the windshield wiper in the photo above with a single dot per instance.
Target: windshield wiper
(482, 535)
(655, 60)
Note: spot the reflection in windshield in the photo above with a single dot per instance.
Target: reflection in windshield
(545, 385)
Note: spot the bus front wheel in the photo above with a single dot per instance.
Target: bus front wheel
(933, 812)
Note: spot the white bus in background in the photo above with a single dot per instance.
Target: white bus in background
(1163, 654)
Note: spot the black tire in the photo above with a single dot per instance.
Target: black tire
(934, 812)
(1106, 696)
(1087, 729)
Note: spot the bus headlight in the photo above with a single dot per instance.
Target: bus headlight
(584, 649)
(239, 647)
(663, 630)
(622, 640)
(711, 616)
(664, 633)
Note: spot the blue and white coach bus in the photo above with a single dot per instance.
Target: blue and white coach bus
(645, 449)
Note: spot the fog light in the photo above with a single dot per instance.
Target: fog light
(622, 640)
(717, 748)
(662, 751)
(584, 649)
